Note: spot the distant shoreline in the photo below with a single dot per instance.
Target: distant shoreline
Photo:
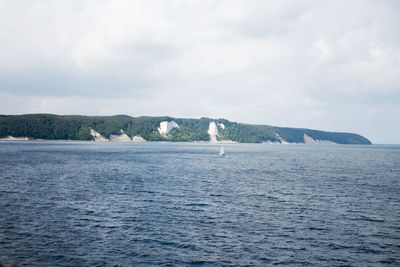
(27, 139)
(122, 128)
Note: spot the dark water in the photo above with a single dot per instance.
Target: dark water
(118, 204)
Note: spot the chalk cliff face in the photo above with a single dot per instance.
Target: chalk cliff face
(213, 131)
(12, 138)
(138, 138)
(97, 136)
(166, 127)
(310, 140)
(123, 137)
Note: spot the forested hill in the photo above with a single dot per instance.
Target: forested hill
(55, 127)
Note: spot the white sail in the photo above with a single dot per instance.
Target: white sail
(222, 152)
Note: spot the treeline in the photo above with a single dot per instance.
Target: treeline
(55, 127)
(45, 126)
(246, 133)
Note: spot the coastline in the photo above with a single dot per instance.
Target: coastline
(123, 138)
(222, 142)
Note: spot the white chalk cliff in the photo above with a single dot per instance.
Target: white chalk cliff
(310, 140)
(138, 138)
(166, 127)
(213, 131)
(123, 137)
(97, 136)
(12, 138)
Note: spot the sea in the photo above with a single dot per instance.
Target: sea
(65, 203)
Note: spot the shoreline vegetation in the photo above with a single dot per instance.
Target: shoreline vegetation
(122, 128)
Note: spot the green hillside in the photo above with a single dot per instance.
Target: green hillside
(73, 127)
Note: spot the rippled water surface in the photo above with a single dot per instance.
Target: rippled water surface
(119, 204)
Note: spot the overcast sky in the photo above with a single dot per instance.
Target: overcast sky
(328, 65)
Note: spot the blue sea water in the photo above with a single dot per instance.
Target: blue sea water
(180, 204)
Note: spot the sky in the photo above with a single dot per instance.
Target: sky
(327, 65)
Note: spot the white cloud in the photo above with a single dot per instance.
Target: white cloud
(331, 65)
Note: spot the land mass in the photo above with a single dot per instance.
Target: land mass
(124, 128)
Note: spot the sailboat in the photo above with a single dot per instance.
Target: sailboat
(222, 152)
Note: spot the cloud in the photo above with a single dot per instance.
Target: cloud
(331, 65)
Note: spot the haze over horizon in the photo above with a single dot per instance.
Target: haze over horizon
(332, 66)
